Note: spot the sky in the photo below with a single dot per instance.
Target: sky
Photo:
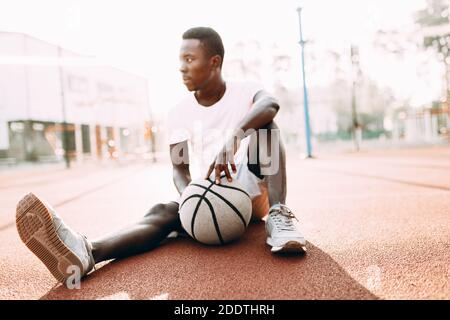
(144, 36)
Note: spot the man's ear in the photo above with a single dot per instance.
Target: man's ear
(216, 61)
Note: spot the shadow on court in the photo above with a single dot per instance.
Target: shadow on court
(184, 269)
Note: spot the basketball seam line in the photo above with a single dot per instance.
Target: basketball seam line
(227, 202)
(194, 215)
(230, 187)
(213, 214)
(216, 224)
(195, 212)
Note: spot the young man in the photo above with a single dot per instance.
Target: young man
(200, 120)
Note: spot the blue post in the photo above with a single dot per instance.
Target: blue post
(305, 91)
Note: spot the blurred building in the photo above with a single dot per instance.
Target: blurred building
(431, 121)
(272, 67)
(106, 110)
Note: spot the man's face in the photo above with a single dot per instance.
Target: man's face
(196, 66)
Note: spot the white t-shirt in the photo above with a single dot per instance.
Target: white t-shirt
(207, 128)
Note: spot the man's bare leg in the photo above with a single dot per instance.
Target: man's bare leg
(139, 237)
(69, 255)
(283, 234)
(277, 182)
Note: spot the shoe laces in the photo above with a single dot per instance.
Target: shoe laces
(282, 217)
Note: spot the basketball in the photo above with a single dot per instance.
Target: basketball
(215, 214)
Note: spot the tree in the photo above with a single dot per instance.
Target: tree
(435, 22)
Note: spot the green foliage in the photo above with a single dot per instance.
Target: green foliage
(437, 13)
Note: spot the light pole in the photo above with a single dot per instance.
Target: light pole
(64, 115)
(356, 130)
(151, 123)
(305, 91)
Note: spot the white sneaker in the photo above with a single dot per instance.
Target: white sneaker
(64, 252)
(282, 232)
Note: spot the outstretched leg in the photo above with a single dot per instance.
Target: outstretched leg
(142, 236)
(69, 255)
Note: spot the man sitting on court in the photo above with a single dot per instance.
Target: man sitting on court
(214, 108)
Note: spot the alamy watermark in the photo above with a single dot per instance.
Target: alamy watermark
(74, 280)
(221, 145)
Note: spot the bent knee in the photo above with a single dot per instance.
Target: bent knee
(265, 131)
(270, 125)
(163, 209)
(157, 208)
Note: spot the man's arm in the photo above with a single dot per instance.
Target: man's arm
(264, 109)
(179, 154)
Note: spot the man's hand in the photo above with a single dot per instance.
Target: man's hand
(179, 154)
(220, 163)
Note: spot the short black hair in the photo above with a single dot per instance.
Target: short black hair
(209, 38)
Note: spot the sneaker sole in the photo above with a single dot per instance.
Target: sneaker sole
(289, 247)
(35, 226)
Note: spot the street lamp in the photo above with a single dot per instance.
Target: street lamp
(305, 91)
(64, 115)
(356, 130)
